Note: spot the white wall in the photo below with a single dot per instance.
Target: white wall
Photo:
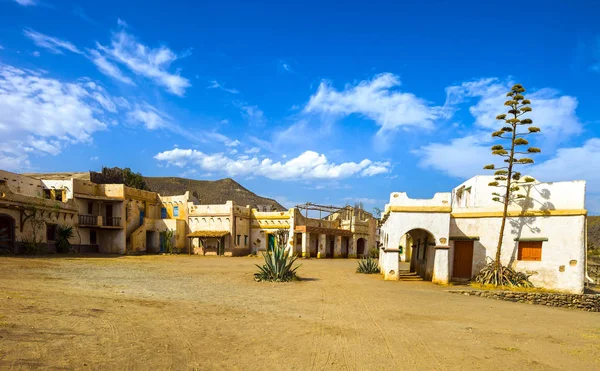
(565, 247)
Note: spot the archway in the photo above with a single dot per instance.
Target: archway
(360, 248)
(7, 232)
(418, 253)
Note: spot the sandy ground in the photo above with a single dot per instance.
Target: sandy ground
(196, 313)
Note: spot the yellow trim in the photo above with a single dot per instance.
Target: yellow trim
(517, 213)
(270, 226)
(270, 217)
(419, 209)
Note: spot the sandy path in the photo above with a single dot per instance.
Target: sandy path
(180, 312)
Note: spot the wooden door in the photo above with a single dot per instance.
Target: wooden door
(463, 259)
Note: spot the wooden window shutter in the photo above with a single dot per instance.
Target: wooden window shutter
(530, 250)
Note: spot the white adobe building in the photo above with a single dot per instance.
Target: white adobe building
(450, 236)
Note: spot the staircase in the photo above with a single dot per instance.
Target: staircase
(408, 276)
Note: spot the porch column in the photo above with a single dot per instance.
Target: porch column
(337, 247)
(306, 245)
(322, 245)
(441, 268)
(352, 247)
(390, 264)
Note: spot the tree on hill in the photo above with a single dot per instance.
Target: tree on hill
(506, 177)
(116, 175)
(134, 180)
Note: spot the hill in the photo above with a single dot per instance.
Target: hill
(211, 192)
(593, 235)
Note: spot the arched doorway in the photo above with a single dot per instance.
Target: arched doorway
(418, 253)
(360, 248)
(7, 232)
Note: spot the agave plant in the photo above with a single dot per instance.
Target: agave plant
(63, 234)
(368, 266)
(499, 275)
(278, 265)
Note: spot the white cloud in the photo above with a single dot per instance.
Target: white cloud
(53, 44)
(309, 165)
(553, 113)
(26, 2)
(574, 163)
(36, 54)
(377, 100)
(461, 158)
(108, 68)
(149, 116)
(233, 143)
(152, 63)
(1, 47)
(215, 85)
(252, 151)
(233, 152)
(253, 114)
(464, 157)
(94, 158)
(40, 115)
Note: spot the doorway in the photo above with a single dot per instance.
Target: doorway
(360, 248)
(7, 233)
(463, 259)
(330, 249)
(109, 215)
(270, 242)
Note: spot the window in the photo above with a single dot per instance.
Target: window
(58, 194)
(90, 208)
(93, 238)
(245, 240)
(530, 250)
(163, 213)
(175, 210)
(48, 193)
(467, 195)
(50, 232)
(298, 238)
(237, 239)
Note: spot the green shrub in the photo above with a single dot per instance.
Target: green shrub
(63, 234)
(491, 274)
(368, 266)
(278, 265)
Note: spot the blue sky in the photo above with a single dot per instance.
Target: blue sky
(314, 101)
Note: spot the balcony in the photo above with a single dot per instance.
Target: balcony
(85, 220)
(97, 221)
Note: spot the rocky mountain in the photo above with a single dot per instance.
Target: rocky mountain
(211, 191)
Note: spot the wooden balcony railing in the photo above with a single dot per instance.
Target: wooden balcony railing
(114, 221)
(88, 220)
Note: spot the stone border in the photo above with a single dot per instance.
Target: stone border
(586, 302)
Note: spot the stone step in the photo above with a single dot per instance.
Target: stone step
(407, 274)
(410, 278)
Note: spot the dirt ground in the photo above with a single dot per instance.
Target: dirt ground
(196, 313)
